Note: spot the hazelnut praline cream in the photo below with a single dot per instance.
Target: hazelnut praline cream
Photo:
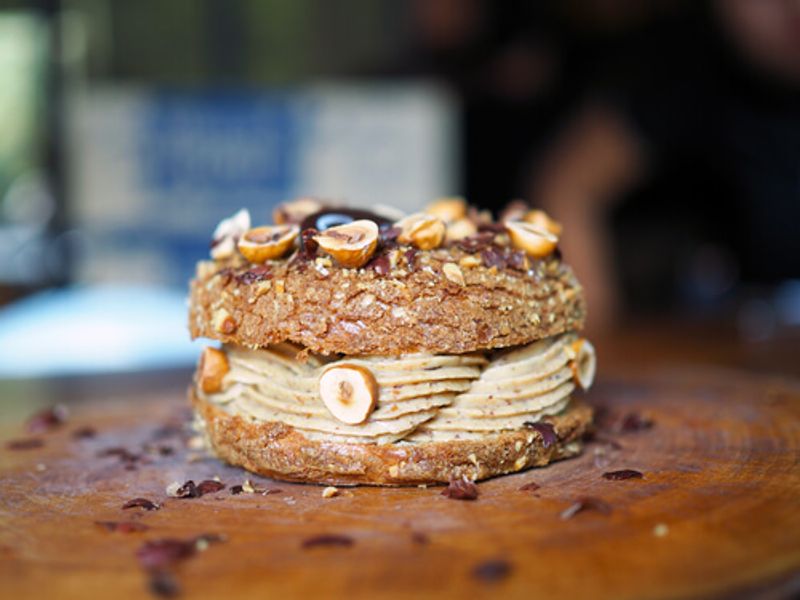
(461, 373)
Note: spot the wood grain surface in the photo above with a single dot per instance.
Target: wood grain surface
(716, 513)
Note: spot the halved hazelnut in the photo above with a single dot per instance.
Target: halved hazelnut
(533, 240)
(270, 241)
(213, 367)
(460, 229)
(447, 209)
(227, 233)
(296, 210)
(352, 244)
(349, 392)
(542, 220)
(514, 211)
(583, 362)
(421, 230)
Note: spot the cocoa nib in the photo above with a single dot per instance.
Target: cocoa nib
(461, 489)
(634, 422)
(236, 490)
(84, 433)
(185, 490)
(343, 541)
(493, 257)
(530, 487)
(546, 430)
(141, 503)
(122, 526)
(584, 504)
(420, 538)
(380, 264)
(161, 554)
(163, 584)
(518, 261)
(388, 237)
(622, 474)
(492, 570)
(476, 242)
(209, 486)
(308, 245)
(25, 444)
(47, 419)
(123, 454)
(411, 258)
(164, 553)
(260, 273)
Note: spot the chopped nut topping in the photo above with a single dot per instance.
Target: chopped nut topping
(470, 261)
(453, 273)
(223, 322)
(421, 230)
(349, 392)
(351, 245)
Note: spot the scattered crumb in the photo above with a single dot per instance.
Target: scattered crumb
(660, 530)
(330, 492)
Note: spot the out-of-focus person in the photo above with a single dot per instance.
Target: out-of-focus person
(692, 149)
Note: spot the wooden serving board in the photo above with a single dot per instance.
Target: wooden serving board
(716, 514)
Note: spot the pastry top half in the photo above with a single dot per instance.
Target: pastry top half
(449, 280)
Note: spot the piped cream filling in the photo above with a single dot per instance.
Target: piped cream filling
(420, 398)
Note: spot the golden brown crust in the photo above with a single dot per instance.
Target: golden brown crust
(405, 309)
(277, 450)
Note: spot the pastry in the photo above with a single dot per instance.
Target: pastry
(360, 349)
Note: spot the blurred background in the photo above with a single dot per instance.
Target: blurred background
(665, 135)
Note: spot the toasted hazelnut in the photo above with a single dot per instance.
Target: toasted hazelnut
(421, 230)
(453, 273)
(296, 210)
(542, 220)
(534, 241)
(213, 367)
(227, 233)
(583, 362)
(460, 229)
(447, 209)
(351, 244)
(271, 241)
(349, 392)
(514, 211)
